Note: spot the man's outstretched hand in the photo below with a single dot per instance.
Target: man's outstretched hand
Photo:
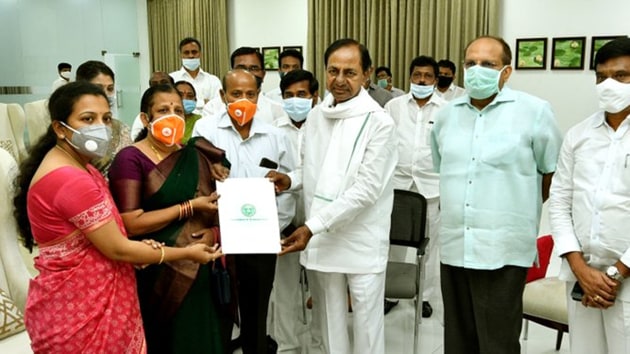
(297, 241)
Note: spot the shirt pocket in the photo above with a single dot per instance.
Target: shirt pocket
(498, 150)
(621, 182)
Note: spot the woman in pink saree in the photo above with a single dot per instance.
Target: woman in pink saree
(84, 299)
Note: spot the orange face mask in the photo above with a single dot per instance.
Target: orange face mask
(168, 129)
(242, 111)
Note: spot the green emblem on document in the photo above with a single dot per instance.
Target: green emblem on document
(248, 210)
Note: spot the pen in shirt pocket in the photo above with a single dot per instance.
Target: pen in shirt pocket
(625, 164)
(427, 138)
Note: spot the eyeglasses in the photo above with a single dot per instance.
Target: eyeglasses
(251, 68)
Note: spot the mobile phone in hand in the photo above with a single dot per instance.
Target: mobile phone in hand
(265, 162)
(577, 293)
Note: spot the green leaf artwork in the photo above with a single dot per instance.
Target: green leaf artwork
(531, 54)
(568, 53)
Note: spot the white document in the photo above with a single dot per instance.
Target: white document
(248, 216)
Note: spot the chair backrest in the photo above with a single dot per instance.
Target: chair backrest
(37, 120)
(409, 219)
(7, 140)
(544, 244)
(18, 126)
(14, 275)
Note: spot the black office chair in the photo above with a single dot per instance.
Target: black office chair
(404, 280)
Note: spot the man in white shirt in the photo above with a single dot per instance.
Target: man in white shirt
(299, 91)
(350, 152)
(589, 208)
(206, 85)
(414, 114)
(250, 59)
(288, 60)
(384, 80)
(445, 86)
(63, 69)
(247, 141)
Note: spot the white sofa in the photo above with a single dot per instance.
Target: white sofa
(14, 275)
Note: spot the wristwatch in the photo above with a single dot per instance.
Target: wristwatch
(613, 273)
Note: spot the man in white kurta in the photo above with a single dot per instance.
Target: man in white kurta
(286, 321)
(415, 114)
(350, 151)
(589, 207)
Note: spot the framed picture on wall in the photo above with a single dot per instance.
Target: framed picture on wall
(596, 43)
(270, 57)
(531, 53)
(568, 53)
(293, 47)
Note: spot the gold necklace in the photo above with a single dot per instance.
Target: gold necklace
(156, 152)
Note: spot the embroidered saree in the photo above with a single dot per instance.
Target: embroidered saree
(81, 301)
(180, 311)
(121, 137)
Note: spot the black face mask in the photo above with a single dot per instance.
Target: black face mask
(444, 81)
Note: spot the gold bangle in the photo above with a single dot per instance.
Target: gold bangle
(162, 256)
(180, 212)
(192, 211)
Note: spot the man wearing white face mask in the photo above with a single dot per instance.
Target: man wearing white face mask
(299, 92)
(414, 114)
(248, 142)
(206, 85)
(63, 69)
(589, 207)
(495, 150)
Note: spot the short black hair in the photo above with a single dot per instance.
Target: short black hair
(170, 78)
(291, 53)
(93, 68)
(247, 51)
(616, 48)
(445, 63)
(506, 56)
(366, 61)
(299, 75)
(187, 40)
(62, 66)
(184, 82)
(383, 68)
(424, 60)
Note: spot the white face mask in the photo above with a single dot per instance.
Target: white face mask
(191, 64)
(421, 91)
(65, 75)
(614, 96)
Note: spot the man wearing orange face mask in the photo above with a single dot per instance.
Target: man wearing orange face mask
(247, 141)
(250, 59)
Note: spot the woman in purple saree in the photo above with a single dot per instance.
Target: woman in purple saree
(167, 192)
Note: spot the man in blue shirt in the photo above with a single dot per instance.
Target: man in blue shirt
(495, 150)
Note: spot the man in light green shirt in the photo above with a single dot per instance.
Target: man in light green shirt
(495, 150)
